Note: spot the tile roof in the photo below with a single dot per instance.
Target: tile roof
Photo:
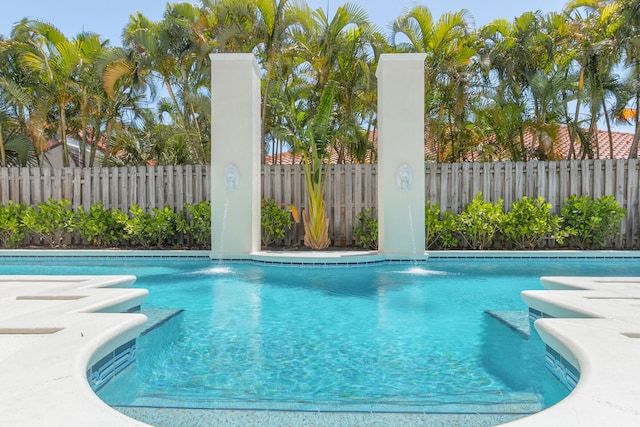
(621, 142)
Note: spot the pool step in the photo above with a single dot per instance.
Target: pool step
(518, 320)
(157, 317)
(172, 417)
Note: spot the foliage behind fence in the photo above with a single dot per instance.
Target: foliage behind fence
(350, 188)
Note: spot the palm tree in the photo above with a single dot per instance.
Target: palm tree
(525, 82)
(56, 62)
(450, 52)
(289, 88)
(172, 51)
(16, 148)
(342, 50)
(355, 91)
(535, 77)
(503, 101)
(87, 117)
(597, 57)
(272, 37)
(628, 36)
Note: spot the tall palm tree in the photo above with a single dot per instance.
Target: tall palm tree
(90, 100)
(536, 78)
(503, 105)
(16, 148)
(595, 23)
(450, 51)
(628, 36)
(355, 92)
(172, 51)
(288, 88)
(272, 37)
(57, 63)
(524, 82)
(342, 50)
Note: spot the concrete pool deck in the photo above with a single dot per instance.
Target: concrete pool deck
(596, 327)
(52, 329)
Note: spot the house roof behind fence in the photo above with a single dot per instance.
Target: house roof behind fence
(621, 144)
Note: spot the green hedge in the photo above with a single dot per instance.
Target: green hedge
(55, 224)
(584, 223)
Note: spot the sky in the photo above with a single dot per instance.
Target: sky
(108, 18)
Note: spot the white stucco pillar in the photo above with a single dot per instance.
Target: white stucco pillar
(235, 156)
(401, 186)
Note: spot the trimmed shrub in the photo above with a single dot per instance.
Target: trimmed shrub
(274, 222)
(52, 221)
(157, 227)
(196, 222)
(589, 223)
(102, 227)
(478, 223)
(12, 228)
(365, 232)
(528, 222)
(439, 227)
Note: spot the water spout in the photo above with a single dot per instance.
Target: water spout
(224, 228)
(413, 236)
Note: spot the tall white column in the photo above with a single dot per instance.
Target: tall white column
(235, 156)
(401, 188)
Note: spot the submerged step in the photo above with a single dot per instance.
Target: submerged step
(518, 320)
(161, 417)
(516, 402)
(157, 317)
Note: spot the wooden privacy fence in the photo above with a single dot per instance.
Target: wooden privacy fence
(118, 187)
(350, 188)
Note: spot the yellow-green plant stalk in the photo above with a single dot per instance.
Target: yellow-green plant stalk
(315, 218)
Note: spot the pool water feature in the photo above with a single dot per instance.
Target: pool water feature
(388, 338)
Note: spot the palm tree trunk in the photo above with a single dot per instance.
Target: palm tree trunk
(107, 148)
(83, 146)
(593, 133)
(196, 125)
(183, 119)
(263, 113)
(63, 137)
(94, 145)
(576, 116)
(607, 121)
(3, 160)
(572, 136)
(633, 151)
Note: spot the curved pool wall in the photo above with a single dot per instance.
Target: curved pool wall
(593, 324)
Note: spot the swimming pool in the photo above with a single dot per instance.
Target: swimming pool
(392, 337)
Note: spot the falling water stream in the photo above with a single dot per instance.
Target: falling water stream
(413, 236)
(224, 228)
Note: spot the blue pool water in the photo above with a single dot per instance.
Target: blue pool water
(389, 337)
